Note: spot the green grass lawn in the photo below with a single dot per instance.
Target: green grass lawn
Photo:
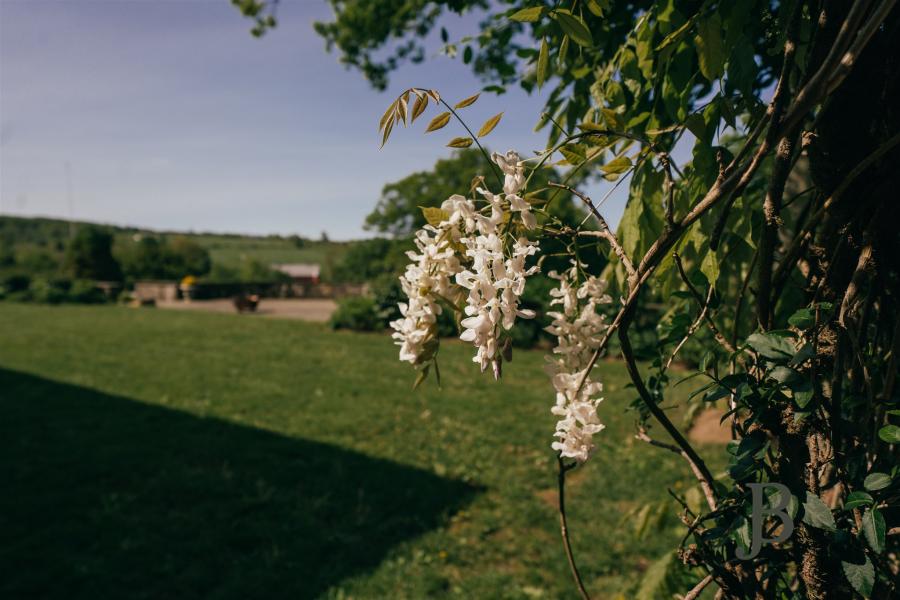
(165, 454)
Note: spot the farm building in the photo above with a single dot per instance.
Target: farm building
(298, 272)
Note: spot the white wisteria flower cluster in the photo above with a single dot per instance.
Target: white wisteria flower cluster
(489, 271)
(427, 278)
(469, 255)
(578, 328)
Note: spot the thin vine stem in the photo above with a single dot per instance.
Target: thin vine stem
(564, 529)
(487, 156)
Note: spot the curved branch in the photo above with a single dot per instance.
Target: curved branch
(698, 466)
(771, 223)
(850, 42)
(605, 232)
(707, 488)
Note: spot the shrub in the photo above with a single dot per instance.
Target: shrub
(84, 291)
(366, 260)
(15, 282)
(49, 291)
(359, 313)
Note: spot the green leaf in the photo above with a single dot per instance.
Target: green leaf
(890, 434)
(785, 375)
(716, 393)
(873, 529)
(589, 126)
(387, 132)
(710, 51)
(617, 165)
(596, 7)
(860, 575)
(876, 481)
(419, 107)
(574, 154)
(643, 219)
(612, 118)
(467, 102)
(438, 122)
(388, 115)
(542, 63)
(574, 27)
(489, 125)
(402, 107)
(434, 215)
(528, 15)
(696, 124)
(803, 318)
(771, 346)
(460, 142)
(806, 352)
(710, 267)
(423, 375)
(857, 499)
(803, 396)
(817, 514)
(675, 35)
(563, 50)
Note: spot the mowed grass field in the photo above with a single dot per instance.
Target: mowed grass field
(161, 454)
(231, 251)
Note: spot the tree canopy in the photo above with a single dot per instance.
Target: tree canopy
(399, 210)
(89, 255)
(152, 257)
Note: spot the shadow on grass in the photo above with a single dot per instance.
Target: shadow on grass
(106, 497)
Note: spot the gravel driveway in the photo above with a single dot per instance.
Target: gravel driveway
(318, 310)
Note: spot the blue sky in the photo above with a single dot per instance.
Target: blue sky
(170, 115)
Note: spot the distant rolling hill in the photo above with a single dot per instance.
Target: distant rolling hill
(227, 250)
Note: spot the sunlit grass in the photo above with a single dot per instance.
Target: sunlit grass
(481, 448)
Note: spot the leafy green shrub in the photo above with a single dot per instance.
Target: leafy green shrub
(358, 313)
(49, 290)
(368, 259)
(15, 282)
(84, 291)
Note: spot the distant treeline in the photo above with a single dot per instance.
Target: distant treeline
(55, 260)
(43, 247)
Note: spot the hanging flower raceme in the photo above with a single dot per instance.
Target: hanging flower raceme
(489, 272)
(495, 284)
(578, 328)
(496, 277)
(427, 278)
